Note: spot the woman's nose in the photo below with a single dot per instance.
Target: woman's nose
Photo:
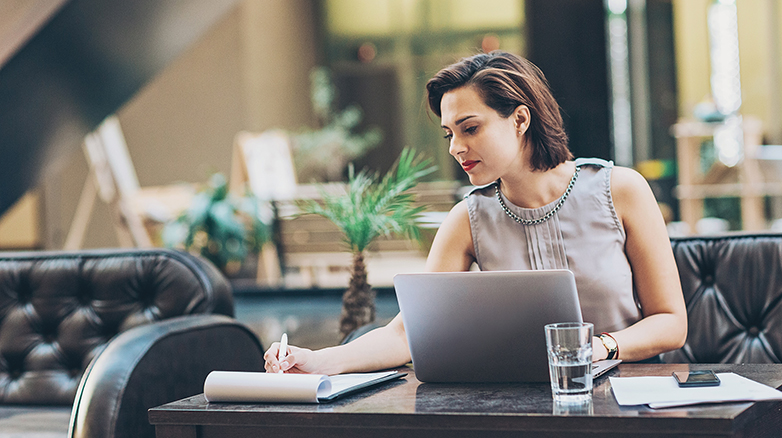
(456, 147)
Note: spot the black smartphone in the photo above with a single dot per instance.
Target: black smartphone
(687, 379)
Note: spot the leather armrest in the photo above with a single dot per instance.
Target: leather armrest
(155, 364)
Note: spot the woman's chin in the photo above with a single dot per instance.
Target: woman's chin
(478, 180)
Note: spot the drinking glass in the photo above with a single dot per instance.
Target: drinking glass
(569, 346)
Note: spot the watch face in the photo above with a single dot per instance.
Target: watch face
(609, 342)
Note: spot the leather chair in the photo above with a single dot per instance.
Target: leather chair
(733, 291)
(89, 340)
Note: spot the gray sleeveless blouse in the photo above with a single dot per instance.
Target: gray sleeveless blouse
(585, 236)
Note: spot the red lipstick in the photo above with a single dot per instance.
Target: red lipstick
(468, 165)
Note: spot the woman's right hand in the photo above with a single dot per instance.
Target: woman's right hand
(382, 348)
(298, 360)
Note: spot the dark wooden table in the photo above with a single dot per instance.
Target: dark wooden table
(409, 408)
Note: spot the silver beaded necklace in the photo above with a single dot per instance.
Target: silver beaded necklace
(546, 216)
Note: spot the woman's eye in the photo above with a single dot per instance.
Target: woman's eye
(448, 137)
(471, 129)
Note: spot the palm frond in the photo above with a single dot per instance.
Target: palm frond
(374, 206)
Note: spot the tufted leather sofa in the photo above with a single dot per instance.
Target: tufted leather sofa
(92, 339)
(733, 291)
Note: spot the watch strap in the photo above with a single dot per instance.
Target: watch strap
(611, 346)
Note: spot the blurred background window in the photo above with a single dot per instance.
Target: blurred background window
(383, 52)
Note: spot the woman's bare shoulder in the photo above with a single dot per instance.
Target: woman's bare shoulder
(452, 248)
(627, 181)
(632, 196)
(458, 217)
(628, 187)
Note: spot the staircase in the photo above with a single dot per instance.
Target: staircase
(67, 64)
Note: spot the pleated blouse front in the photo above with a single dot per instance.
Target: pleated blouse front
(584, 236)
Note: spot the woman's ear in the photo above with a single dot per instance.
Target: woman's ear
(521, 118)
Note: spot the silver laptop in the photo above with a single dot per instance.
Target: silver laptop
(484, 326)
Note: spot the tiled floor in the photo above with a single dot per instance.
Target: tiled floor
(34, 421)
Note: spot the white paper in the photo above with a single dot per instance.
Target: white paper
(344, 381)
(663, 392)
(252, 387)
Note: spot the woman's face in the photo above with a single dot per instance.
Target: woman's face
(486, 145)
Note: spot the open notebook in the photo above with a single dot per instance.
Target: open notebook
(257, 387)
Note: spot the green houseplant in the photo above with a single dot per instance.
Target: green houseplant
(220, 226)
(371, 207)
(321, 154)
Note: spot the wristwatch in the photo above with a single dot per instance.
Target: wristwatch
(610, 344)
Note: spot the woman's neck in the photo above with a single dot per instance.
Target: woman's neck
(533, 189)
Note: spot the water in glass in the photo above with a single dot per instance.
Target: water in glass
(569, 348)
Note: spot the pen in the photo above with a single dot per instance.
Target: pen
(283, 349)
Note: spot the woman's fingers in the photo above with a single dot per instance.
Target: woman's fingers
(287, 362)
(272, 351)
(298, 360)
(270, 358)
(291, 363)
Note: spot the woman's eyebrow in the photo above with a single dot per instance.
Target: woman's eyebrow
(458, 122)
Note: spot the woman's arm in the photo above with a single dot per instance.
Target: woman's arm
(655, 276)
(384, 347)
(452, 249)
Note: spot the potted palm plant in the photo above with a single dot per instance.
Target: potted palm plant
(371, 207)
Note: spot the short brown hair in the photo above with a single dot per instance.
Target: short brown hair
(505, 81)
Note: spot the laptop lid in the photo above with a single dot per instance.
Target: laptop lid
(484, 326)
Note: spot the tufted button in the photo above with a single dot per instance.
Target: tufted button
(85, 298)
(754, 331)
(708, 279)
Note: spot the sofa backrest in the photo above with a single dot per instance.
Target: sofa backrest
(732, 287)
(58, 310)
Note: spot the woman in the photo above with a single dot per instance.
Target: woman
(535, 208)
